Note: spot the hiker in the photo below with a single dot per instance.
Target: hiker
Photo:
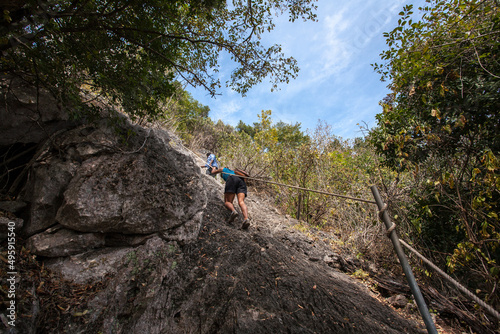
(235, 186)
(210, 164)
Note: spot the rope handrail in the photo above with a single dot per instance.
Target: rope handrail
(459, 286)
(306, 189)
(450, 279)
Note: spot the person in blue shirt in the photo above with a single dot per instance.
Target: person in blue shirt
(235, 187)
(210, 164)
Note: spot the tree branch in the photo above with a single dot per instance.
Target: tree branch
(479, 61)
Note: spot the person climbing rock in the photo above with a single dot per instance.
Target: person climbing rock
(210, 164)
(235, 187)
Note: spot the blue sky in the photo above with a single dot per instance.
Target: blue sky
(336, 83)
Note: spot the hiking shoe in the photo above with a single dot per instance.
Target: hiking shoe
(233, 216)
(245, 225)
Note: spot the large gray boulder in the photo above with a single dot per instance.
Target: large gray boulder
(132, 194)
(89, 180)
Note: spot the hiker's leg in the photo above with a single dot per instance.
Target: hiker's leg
(243, 206)
(228, 201)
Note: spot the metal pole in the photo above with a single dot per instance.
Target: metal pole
(419, 299)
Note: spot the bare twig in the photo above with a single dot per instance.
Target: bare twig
(480, 64)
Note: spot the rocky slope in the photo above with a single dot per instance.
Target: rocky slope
(128, 231)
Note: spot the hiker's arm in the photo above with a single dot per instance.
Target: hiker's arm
(216, 171)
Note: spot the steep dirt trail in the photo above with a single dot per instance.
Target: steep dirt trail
(279, 279)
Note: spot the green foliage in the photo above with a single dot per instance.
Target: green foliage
(266, 136)
(440, 123)
(290, 135)
(248, 129)
(360, 274)
(132, 52)
(238, 150)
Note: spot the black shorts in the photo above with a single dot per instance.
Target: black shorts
(209, 172)
(235, 185)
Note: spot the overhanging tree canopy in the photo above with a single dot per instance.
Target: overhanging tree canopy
(132, 51)
(441, 123)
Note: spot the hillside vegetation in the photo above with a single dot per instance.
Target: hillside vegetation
(434, 152)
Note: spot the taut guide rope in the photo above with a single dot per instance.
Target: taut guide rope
(306, 189)
(459, 286)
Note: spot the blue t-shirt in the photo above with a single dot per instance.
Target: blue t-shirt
(225, 173)
(212, 161)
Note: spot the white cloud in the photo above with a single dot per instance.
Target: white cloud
(227, 111)
(336, 55)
